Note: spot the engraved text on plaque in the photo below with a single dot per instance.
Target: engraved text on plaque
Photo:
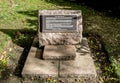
(59, 23)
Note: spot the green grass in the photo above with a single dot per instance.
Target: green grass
(22, 14)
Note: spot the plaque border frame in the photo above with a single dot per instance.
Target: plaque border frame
(57, 31)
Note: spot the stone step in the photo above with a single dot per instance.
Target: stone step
(59, 52)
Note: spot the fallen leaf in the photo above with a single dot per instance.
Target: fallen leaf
(4, 52)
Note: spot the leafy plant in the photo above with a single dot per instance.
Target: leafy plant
(3, 64)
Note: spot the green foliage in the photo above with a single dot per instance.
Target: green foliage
(114, 65)
(109, 70)
(3, 64)
(118, 71)
(3, 41)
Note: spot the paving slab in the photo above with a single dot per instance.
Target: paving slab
(35, 66)
(59, 52)
(82, 67)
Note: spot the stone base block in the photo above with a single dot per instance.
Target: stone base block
(59, 52)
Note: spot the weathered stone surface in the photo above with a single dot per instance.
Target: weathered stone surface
(82, 66)
(35, 66)
(59, 52)
(76, 80)
(60, 38)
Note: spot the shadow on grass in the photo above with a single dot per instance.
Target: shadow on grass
(22, 38)
(33, 15)
(110, 8)
(101, 57)
(97, 45)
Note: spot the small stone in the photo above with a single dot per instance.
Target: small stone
(61, 81)
(75, 80)
(11, 75)
(10, 49)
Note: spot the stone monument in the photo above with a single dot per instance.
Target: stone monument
(59, 31)
(65, 54)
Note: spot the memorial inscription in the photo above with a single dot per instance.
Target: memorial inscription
(59, 23)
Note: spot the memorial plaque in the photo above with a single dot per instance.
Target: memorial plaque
(59, 23)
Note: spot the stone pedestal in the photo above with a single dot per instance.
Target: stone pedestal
(59, 27)
(79, 70)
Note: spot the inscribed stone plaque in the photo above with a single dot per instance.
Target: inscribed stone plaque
(59, 23)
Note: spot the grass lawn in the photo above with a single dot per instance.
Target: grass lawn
(19, 17)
